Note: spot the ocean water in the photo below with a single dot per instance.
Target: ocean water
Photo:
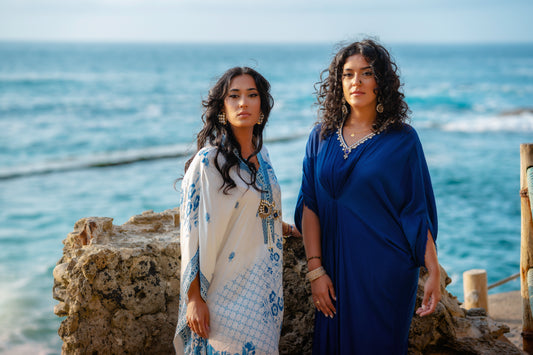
(66, 110)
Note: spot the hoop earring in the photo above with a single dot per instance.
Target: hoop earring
(222, 118)
(379, 107)
(261, 118)
(344, 108)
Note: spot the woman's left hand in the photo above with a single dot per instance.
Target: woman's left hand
(290, 230)
(432, 295)
(294, 231)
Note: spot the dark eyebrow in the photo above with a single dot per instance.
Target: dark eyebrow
(250, 89)
(365, 68)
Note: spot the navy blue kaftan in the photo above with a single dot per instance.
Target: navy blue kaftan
(375, 209)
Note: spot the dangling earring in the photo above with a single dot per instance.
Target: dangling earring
(379, 107)
(261, 118)
(222, 118)
(344, 108)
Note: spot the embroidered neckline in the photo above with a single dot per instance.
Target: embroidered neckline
(267, 209)
(348, 149)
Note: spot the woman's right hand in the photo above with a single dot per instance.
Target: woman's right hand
(198, 317)
(323, 294)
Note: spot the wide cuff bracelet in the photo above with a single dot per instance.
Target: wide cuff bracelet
(315, 274)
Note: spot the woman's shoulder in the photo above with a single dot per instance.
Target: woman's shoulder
(316, 130)
(264, 153)
(313, 141)
(315, 135)
(203, 159)
(405, 133)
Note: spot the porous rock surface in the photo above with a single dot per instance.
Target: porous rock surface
(118, 289)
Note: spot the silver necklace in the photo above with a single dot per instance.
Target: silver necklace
(348, 149)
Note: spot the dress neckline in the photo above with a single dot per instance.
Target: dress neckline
(347, 149)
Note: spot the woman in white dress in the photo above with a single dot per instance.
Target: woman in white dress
(231, 231)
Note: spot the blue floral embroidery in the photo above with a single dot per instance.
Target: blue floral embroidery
(207, 217)
(190, 339)
(237, 204)
(231, 256)
(272, 296)
(190, 204)
(275, 310)
(205, 159)
(247, 349)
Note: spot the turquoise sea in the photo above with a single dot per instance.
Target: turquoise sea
(68, 109)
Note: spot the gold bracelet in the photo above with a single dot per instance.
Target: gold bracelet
(316, 273)
(313, 257)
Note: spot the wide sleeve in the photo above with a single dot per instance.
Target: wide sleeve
(204, 216)
(307, 194)
(419, 213)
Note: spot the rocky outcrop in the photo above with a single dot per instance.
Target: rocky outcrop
(118, 287)
(454, 330)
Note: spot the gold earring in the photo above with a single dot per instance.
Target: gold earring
(379, 108)
(222, 118)
(261, 118)
(344, 108)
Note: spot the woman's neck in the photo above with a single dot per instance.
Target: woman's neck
(361, 119)
(244, 137)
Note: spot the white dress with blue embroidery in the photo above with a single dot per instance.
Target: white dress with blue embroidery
(234, 242)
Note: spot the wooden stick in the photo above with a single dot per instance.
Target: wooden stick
(526, 247)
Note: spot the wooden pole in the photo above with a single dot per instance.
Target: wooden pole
(475, 289)
(526, 248)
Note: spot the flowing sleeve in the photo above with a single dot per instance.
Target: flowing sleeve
(307, 194)
(204, 214)
(419, 213)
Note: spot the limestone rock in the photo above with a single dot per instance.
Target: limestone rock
(118, 287)
(453, 330)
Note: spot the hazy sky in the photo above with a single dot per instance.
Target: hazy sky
(267, 21)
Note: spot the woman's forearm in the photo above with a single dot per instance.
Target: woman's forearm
(311, 236)
(194, 289)
(430, 257)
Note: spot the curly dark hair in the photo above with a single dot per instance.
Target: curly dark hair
(330, 94)
(221, 135)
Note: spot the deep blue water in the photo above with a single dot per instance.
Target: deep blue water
(66, 106)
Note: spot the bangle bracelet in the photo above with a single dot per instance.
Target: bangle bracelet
(313, 257)
(316, 273)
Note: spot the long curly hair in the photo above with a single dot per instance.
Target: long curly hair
(221, 135)
(329, 92)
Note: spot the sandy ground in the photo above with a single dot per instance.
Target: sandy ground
(506, 307)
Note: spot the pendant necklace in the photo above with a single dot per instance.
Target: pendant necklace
(348, 149)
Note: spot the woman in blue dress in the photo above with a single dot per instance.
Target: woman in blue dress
(366, 209)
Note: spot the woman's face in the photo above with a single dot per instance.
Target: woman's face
(359, 83)
(242, 103)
